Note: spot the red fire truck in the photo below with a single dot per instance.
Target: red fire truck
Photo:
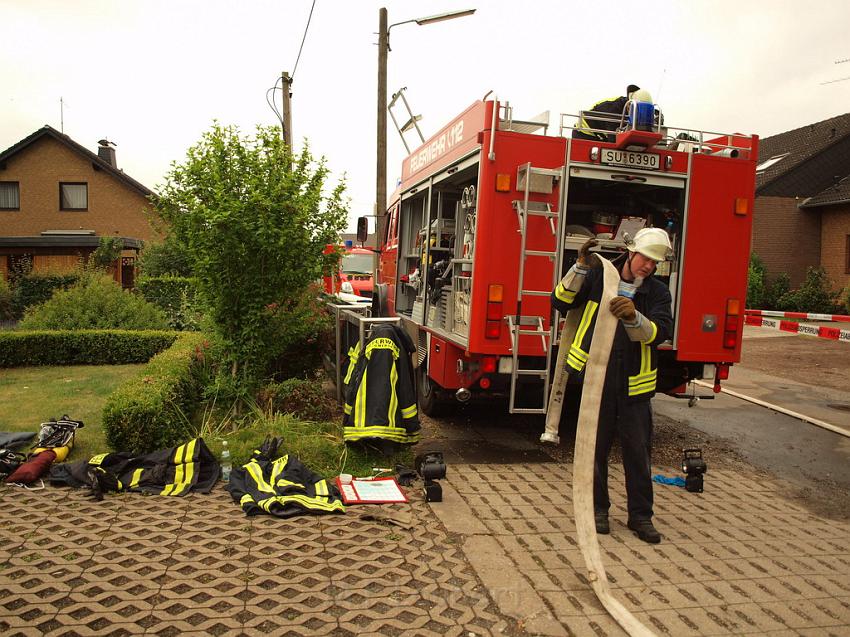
(491, 211)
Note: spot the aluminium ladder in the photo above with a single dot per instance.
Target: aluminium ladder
(530, 326)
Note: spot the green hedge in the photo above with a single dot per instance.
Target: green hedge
(151, 411)
(35, 289)
(81, 347)
(174, 295)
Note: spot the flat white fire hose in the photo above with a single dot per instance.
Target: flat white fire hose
(588, 421)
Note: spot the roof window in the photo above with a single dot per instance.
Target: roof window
(769, 162)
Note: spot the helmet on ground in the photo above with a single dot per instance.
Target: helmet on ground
(631, 88)
(642, 95)
(653, 243)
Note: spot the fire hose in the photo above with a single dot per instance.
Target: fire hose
(585, 447)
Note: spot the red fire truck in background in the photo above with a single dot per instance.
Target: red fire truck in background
(355, 273)
(490, 213)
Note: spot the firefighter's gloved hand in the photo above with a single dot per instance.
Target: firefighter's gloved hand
(585, 257)
(623, 309)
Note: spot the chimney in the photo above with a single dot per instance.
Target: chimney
(106, 151)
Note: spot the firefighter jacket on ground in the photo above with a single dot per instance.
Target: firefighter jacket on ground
(380, 395)
(281, 485)
(640, 358)
(175, 471)
(614, 106)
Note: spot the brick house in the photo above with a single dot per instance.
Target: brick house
(57, 199)
(802, 207)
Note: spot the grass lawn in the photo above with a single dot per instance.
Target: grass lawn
(32, 395)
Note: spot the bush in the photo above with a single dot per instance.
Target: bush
(775, 290)
(94, 302)
(7, 300)
(152, 411)
(175, 296)
(34, 289)
(755, 282)
(81, 347)
(814, 295)
(846, 299)
(168, 258)
(301, 330)
(301, 397)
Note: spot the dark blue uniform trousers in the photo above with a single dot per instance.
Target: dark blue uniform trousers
(631, 422)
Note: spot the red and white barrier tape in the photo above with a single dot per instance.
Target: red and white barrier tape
(800, 315)
(792, 327)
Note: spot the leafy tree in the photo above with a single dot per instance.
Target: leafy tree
(254, 219)
(107, 252)
(168, 258)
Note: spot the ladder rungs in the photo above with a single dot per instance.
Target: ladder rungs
(532, 372)
(542, 213)
(537, 292)
(526, 410)
(534, 332)
(540, 253)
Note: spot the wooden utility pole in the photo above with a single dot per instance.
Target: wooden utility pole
(381, 166)
(287, 109)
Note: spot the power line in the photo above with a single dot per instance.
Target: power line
(310, 17)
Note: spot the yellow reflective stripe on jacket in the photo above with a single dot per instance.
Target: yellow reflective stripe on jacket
(360, 402)
(393, 407)
(653, 335)
(181, 454)
(134, 480)
(643, 383)
(98, 459)
(409, 412)
(577, 357)
(277, 468)
(347, 409)
(563, 294)
(382, 343)
(353, 355)
(304, 500)
(645, 359)
(245, 499)
(256, 472)
(397, 434)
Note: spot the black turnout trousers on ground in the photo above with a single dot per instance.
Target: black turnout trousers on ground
(631, 421)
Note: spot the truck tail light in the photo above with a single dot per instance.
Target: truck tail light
(722, 371)
(503, 182)
(733, 323)
(489, 364)
(493, 326)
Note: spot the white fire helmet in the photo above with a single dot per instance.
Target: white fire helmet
(642, 95)
(653, 243)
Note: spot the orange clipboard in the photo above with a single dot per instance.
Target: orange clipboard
(374, 491)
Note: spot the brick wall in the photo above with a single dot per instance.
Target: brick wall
(114, 208)
(835, 230)
(786, 238)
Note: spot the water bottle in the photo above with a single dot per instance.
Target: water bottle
(225, 462)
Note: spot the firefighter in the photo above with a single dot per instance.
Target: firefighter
(630, 380)
(612, 105)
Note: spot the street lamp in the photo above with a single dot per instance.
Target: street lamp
(383, 48)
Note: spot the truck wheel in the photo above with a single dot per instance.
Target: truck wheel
(429, 400)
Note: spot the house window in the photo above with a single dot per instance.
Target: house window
(73, 196)
(10, 195)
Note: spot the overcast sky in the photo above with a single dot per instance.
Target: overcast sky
(152, 75)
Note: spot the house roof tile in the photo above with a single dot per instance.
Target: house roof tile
(799, 145)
